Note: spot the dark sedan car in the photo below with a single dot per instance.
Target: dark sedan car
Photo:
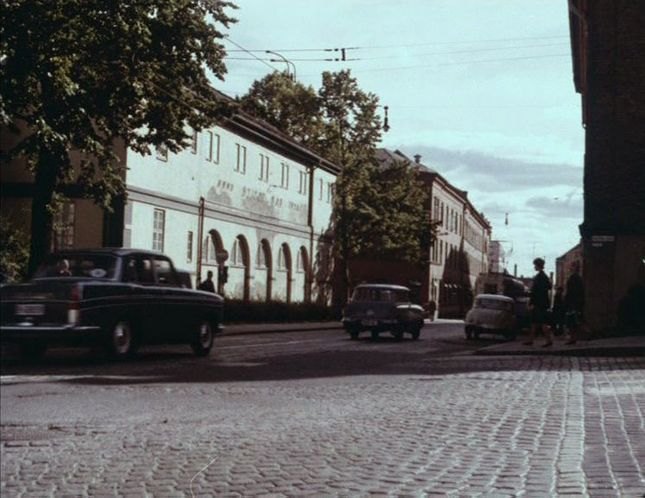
(382, 307)
(115, 298)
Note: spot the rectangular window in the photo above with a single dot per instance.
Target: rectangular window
(162, 153)
(193, 143)
(302, 183)
(284, 178)
(189, 247)
(264, 168)
(240, 164)
(213, 147)
(63, 225)
(158, 229)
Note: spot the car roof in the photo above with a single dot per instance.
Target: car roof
(382, 286)
(116, 251)
(494, 296)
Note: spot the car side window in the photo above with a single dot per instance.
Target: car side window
(165, 272)
(130, 271)
(144, 270)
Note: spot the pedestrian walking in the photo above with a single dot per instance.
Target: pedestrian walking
(207, 285)
(539, 304)
(574, 301)
(558, 312)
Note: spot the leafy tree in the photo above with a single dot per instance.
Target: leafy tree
(86, 74)
(14, 251)
(380, 210)
(288, 105)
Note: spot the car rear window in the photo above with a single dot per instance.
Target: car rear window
(380, 295)
(101, 266)
(494, 304)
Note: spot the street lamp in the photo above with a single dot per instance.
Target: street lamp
(285, 60)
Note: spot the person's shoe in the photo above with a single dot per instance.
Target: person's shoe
(547, 344)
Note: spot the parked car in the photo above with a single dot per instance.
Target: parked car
(380, 307)
(115, 298)
(492, 313)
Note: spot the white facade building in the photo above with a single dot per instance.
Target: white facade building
(244, 201)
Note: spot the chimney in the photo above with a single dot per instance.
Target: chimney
(417, 158)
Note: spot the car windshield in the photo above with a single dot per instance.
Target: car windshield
(494, 304)
(78, 265)
(380, 294)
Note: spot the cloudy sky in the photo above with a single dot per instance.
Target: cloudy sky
(482, 89)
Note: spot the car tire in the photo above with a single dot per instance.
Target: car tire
(32, 350)
(353, 334)
(510, 335)
(203, 341)
(374, 335)
(469, 332)
(121, 341)
(416, 332)
(398, 335)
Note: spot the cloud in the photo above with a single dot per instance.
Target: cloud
(555, 207)
(480, 171)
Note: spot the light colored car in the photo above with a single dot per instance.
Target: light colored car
(492, 313)
(382, 307)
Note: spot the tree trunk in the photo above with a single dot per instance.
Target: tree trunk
(41, 216)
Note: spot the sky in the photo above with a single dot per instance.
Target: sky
(481, 89)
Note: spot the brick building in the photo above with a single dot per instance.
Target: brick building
(607, 38)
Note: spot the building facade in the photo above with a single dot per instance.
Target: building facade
(243, 201)
(564, 265)
(607, 39)
(496, 257)
(457, 256)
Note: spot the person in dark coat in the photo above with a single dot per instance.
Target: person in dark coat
(539, 304)
(207, 285)
(558, 311)
(574, 300)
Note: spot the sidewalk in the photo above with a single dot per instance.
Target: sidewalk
(615, 346)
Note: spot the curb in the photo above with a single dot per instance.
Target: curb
(590, 351)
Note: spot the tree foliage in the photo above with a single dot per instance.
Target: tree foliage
(84, 74)
(14, 251)
(380, 209)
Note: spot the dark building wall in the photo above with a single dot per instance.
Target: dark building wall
(608, 39)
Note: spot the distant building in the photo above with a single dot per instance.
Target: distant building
(457, 256)
(245, 201)
(564, 264)
(496, 257)
(607, 38)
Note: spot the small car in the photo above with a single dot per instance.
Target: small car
(382, 307)
(492, 313)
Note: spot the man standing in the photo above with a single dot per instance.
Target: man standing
(539, 304)
(574, 301)
(207, 285)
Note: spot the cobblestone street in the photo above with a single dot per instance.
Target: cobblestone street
(458, 425)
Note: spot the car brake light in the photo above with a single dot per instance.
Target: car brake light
(74, 305)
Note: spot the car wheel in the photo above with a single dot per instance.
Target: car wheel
(469, 332)
(203, 342)
(476, 333)
(353, 334)
(33, 350)
(398, 335)
(121, 340)
(416, 332)
(374, 335)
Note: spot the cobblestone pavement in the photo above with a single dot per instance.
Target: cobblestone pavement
(455, 426)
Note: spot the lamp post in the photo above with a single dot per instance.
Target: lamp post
(285, 60)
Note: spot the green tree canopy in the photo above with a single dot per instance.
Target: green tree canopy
(83, 74)
(288, 105)
(381, 209)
